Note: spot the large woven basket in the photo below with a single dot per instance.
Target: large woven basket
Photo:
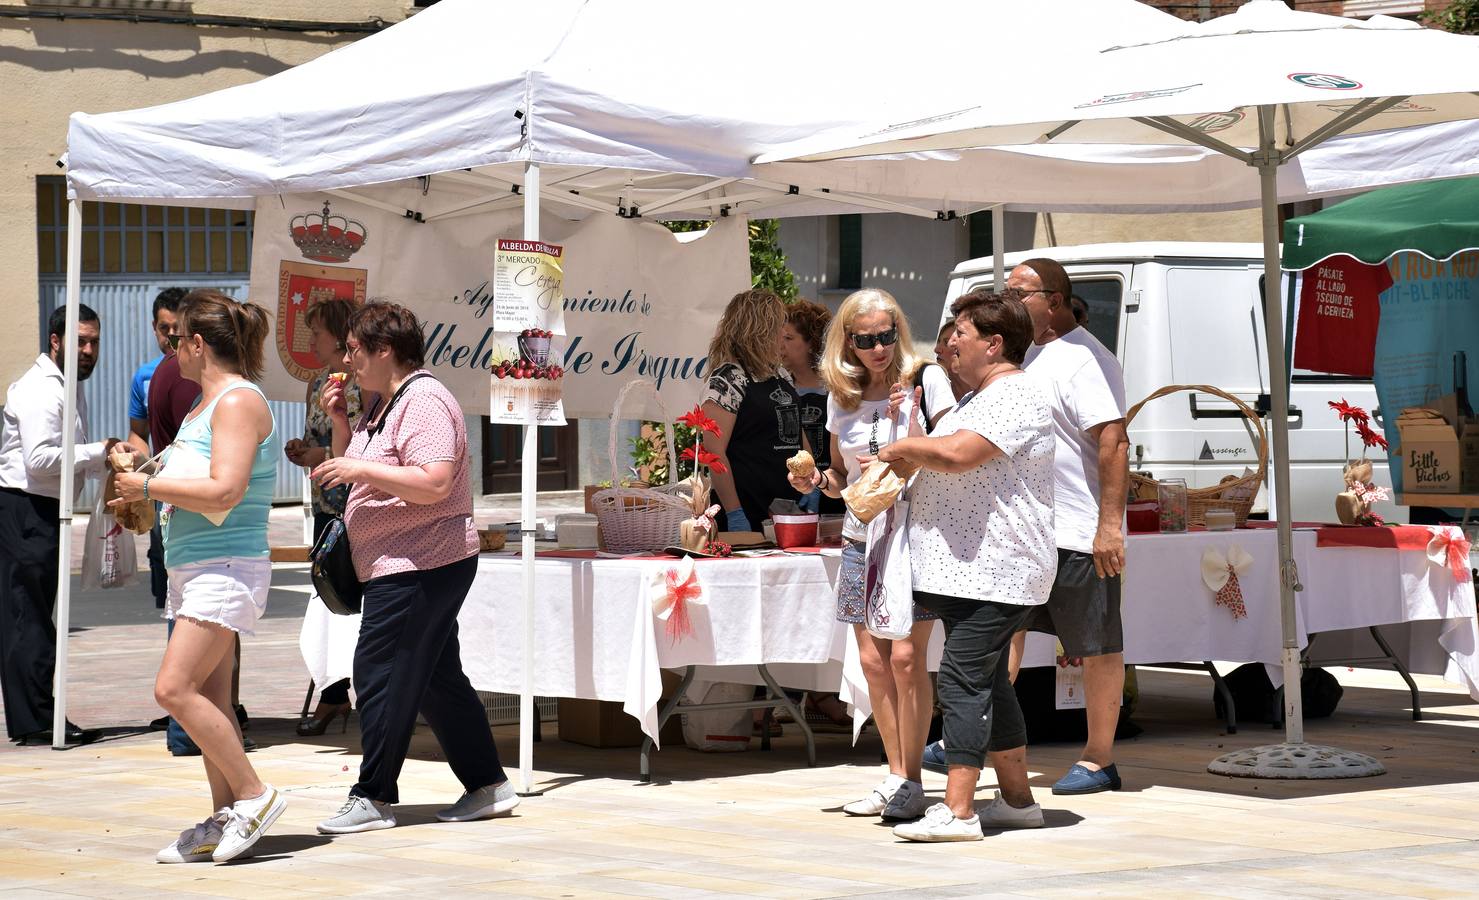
(631, 519)
(1201, 499)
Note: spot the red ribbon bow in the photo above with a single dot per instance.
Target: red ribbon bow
(680, 592)
(1450, 547)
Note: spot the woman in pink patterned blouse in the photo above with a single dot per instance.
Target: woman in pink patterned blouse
(411, 533)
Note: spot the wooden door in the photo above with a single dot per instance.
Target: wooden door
(503, 454)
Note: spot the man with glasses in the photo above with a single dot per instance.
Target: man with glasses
(1086, 389)
(165, 306)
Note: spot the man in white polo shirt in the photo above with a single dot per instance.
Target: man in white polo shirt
(30, 490)
(1091, 475)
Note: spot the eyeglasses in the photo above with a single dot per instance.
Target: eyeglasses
(881, 339)
(174, 341)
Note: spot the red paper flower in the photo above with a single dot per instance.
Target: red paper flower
(700, 422)
(705, 458)
(1368, 436)
(1349, 413)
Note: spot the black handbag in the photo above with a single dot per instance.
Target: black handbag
(331, 564)
(332, 569)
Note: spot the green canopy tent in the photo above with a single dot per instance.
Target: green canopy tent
(1438, 219)
(1434, 342)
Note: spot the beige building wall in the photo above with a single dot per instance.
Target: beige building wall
(51, 68)
(1071, 229)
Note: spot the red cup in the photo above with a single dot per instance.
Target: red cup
(796, 531)
(1143, 516)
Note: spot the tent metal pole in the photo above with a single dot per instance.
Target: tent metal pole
(69, 476)
(1294, 758)
(1273, 327)
(526, 529)
(999, 244)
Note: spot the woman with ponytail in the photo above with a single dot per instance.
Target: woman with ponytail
(214, 518)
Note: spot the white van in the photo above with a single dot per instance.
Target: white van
(1192, 313)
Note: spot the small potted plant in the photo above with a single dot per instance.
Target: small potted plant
(1353, 505)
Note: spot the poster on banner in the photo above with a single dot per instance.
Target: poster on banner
(635, 301)
(1339, 312)
(527, 303)
(1428, 324)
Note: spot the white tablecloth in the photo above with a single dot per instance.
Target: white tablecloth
(596, 636)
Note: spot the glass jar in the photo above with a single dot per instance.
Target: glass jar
(1171, 494)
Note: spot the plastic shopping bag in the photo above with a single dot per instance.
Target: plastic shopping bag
(716, 730)
(888, 583)
(109, 559)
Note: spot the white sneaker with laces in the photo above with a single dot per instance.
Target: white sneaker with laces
(246, 822)
(939, 824)
(1001, 814)
(359, 814)
(877, 800)
(195, 844)
(908, 802)
(484, 803)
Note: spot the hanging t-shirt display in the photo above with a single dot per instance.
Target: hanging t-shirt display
(767, 431)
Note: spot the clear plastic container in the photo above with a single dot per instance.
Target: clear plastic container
(1171, 494)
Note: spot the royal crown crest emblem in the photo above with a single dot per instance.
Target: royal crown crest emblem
(324, 237)
(299, 286)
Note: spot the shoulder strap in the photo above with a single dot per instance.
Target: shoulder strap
(923, 409)
(395, 398)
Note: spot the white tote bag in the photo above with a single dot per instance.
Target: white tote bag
(109, 558)
(888, 581)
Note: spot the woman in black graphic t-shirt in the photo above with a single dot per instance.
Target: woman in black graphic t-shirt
(759, 414)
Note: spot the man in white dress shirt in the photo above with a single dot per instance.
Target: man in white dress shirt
(30, 491)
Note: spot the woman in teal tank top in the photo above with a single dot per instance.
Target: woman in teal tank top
(216, 490)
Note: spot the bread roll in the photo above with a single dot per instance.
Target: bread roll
(802, 465)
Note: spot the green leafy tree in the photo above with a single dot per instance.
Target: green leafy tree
(1459, 17)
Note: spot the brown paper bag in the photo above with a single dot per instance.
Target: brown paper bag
(875, 491)
(137, 516)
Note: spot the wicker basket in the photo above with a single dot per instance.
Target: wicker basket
(1201, 499)
(631, 519)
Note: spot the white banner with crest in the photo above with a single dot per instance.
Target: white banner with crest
(638, 303)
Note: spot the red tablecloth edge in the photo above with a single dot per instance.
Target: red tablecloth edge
(1393, 537)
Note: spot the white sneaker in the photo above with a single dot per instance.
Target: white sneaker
(907, 803)
(195, 844)
(484, 803)
(359, 814)
(1001, 814)
(877, 800)
(246, 821)
(939, 824)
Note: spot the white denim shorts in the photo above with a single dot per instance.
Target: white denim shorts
(230, 591)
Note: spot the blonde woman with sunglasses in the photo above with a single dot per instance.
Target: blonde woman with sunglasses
(868, 355)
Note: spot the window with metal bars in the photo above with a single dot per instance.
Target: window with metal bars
(131, 238)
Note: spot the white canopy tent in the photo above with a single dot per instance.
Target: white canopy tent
(584, 113)
(568, 107)
(1263, 87)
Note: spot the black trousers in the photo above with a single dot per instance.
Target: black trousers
(158, 575)
(408, 660)
(29, 542)
(980, 705)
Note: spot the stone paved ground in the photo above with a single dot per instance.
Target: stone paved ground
(86, 822)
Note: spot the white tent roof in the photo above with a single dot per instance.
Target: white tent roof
(1382, 75)
(611, 91)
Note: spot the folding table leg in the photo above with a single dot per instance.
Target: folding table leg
(799, 715)
(1229, 709)
(1417, 709)
(645, 768)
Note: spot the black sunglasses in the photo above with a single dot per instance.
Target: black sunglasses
(881, 339)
